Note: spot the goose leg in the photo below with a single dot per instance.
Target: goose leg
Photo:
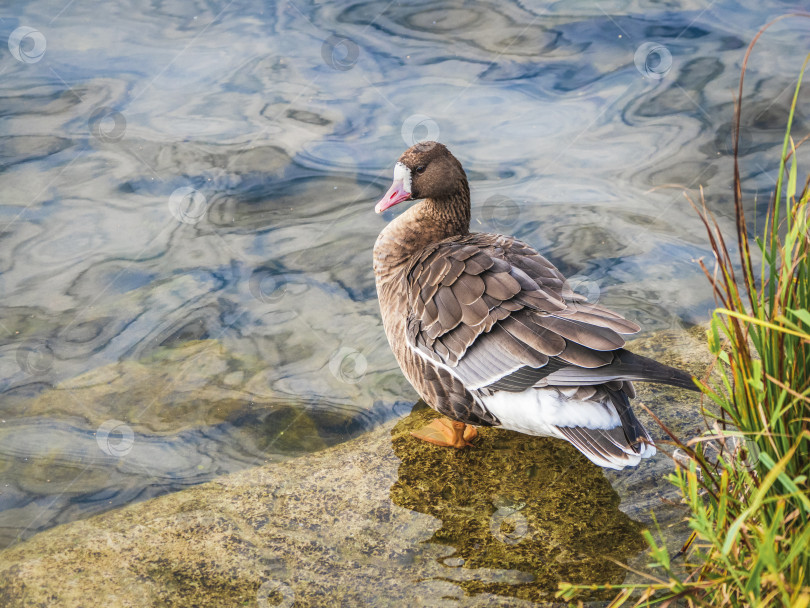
(447, 433)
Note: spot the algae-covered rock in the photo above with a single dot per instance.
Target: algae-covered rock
(134, 429)
(382, 520)
(529, 504)
(379, 521)
(168, 391)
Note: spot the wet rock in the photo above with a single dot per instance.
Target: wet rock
(184, 377)
(382, 520)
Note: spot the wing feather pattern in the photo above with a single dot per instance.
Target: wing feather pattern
(489, 307)
(500, 318)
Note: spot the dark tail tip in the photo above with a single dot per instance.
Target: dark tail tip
(653, 371)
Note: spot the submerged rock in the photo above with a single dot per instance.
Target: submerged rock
(382, 520)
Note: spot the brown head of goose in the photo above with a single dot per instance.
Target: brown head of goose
(490, 334)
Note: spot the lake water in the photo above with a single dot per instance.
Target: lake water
(188, 191)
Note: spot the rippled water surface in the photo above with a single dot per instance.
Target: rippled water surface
(188, 190)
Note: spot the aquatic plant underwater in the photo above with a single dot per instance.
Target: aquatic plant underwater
(745, 481)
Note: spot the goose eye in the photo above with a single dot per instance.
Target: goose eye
(420, 169)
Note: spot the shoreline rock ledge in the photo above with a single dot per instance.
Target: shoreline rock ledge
(381, 520)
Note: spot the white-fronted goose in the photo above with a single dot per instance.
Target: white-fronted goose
(489, 333)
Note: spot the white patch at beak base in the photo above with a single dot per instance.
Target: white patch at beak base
(403, 174)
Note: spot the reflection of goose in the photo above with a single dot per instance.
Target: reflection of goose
(520, 514)
(489, 332)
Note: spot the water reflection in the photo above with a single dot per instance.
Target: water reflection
(185, 411)
(520, 513)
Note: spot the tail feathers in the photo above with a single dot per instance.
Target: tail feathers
(650, 370)
(606, 447)
(617, 447)
(634, 431)
(625, 366)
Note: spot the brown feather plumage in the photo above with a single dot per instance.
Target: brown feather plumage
(468, 314)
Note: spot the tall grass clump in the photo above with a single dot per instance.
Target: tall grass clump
(746, 480)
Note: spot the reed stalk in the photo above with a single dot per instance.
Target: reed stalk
(746, 480)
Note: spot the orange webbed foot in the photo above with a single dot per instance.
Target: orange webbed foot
(447, 433)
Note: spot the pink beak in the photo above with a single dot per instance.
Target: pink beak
(396, 194)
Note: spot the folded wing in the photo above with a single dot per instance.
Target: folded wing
(500, 316)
